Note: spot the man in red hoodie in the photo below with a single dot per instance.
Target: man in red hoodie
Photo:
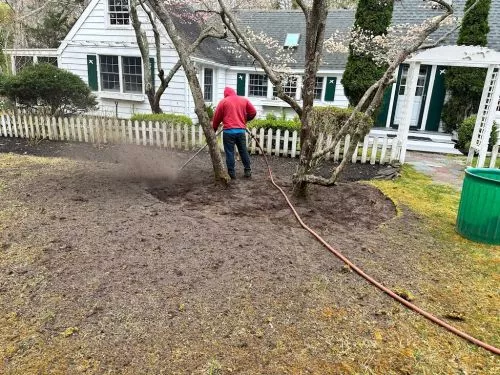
(234, 111)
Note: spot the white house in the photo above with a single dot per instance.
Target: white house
(101, 48)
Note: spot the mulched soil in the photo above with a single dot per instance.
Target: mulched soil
(163, 272)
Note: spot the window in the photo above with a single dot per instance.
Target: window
(22, 62)
(132, 74)
(422, 77)
(318, 89)
(47, 60)
(208, 85)
(257, 85)
(118, 12)
(289, 87)
(110, 73)
(292, 40)
(402, 82)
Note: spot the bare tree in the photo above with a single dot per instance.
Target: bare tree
(393, 49)
(167, 12)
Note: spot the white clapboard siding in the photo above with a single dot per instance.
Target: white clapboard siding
(178, 136)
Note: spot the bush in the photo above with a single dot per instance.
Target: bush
(162, 117)
(271, 122)
(466, 130)
(331, 119)
(49, 90)
(324, 119)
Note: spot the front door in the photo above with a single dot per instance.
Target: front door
(420, 96)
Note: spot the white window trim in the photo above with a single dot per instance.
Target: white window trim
(107, 20)
(202, 74)
(120, 72)
(247, 87)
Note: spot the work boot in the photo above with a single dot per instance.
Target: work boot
(248, 173)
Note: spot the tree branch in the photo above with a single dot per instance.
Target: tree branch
(230, 22)
(446, 35)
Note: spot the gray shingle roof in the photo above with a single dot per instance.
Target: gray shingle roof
(277, 24)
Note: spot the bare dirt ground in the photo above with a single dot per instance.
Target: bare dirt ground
(112, 263)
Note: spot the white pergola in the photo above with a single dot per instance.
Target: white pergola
(465, 56)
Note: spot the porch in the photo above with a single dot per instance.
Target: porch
(421, 140)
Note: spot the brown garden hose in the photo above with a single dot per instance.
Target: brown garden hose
(371, 280)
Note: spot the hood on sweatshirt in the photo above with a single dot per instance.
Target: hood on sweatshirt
(228, 91)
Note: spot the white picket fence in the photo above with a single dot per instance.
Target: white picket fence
(99, 130)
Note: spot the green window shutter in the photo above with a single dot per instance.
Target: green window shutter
(383, 111)
(331, 84)
(153, 70)
(92, 72)
(241, 85)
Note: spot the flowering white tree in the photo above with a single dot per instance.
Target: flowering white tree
(393, 49)
(268, 54)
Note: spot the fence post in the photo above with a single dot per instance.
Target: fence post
(186, 137)
(336, 155)
(4, 125)
(494, 155)
(355, 154)
(66, 128)
(26, 126)
(373, 158)
(32, 126)
(14, 125)
(262, 139)
(294, 144)
(37, 127)
(383, 153)
(269, 141)
(20, 126)
(286, 144)
(85, 130)
(394, 150)
(277, 140)
(347, 144)
(9, 126)
(364, 153)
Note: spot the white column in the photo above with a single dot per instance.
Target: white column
(485, 116)
(404, 127)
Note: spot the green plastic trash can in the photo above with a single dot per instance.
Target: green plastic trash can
(479, 212)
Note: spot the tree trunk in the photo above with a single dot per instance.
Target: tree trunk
(315, 34)
(182, 49)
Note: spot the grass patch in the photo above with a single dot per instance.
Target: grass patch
(467, 271)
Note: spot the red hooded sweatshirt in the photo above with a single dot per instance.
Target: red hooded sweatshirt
(233, 111)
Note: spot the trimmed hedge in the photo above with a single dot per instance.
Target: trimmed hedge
(466, 130)
(325, 119)
(361, 72)
(162, 117)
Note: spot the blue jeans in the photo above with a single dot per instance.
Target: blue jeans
(238, 139)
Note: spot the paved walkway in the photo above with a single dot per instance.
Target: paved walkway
(446, 169)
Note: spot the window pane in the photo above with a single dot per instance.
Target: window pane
(132, 74)
(208, 85)
(318, 90)
(289, 87)
(257, 85)
(22, 62)
(47, 60)
(118, 12)
(110, 76)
